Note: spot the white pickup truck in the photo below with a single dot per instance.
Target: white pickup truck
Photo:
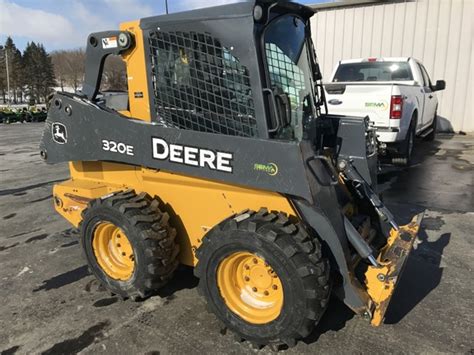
(396, 94)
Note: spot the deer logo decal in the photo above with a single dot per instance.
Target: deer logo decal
(59, 133)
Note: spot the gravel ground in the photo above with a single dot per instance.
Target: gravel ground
(50, 303)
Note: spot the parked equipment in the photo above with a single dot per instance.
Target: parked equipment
(225, 161)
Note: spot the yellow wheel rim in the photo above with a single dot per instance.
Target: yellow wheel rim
(113, 251)
(250, 287)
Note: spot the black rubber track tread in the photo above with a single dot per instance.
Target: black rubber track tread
(302, 250)
(150, 231)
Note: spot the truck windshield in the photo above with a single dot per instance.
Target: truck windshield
(289, 69)
(373, 71)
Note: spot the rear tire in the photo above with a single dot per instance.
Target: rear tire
(128, 244)
(406, 149)
(295, 261)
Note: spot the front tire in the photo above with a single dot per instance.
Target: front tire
(128, 244)
(263, 277)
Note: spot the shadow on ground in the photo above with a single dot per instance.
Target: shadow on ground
(422, 274)
(335, 318)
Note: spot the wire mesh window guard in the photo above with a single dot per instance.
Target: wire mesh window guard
(199, 85)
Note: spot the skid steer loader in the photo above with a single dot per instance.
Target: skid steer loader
(225, 159)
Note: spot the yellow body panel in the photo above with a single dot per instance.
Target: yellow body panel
(195, 205)
(138, 95)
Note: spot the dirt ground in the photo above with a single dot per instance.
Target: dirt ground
(49, 303)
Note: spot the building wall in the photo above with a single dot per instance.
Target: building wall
(437, 32)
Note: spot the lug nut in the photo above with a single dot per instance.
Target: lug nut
(266, 293)
(246, 278)
(246, 267)
(254, 289)
(274, 287)
(255, 261)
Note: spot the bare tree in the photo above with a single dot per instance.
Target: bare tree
(115, 74)
(69, 68)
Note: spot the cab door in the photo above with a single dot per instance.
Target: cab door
(430, 100)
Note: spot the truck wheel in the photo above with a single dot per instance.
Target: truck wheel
(129, 244)
(263, 277)
(430, 137)
(406, 148)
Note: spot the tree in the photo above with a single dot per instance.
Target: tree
(15, 69)
(115, 74)
(3, 75)
(69, 68)
(38, 71)
(58, 58)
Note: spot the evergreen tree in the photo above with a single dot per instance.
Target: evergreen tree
(38, 72)
(15, 70)
(3, 75)
(46, 74)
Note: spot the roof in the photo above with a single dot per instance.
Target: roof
(234, 10)
(346, 3)
(378, 59)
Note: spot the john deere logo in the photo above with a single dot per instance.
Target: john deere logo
(380, 105)
(270, 168)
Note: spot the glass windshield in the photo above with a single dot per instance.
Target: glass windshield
(373, 71)
(289, 69)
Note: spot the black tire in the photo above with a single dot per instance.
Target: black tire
(430, 137)
(406, 147)
(149, 233)
(291, 252)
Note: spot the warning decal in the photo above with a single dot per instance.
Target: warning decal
(109, 42)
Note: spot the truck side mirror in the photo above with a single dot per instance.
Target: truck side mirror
(440, 85)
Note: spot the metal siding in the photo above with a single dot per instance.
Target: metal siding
(437, 32)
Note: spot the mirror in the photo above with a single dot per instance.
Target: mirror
(440, 85)
(317, 73)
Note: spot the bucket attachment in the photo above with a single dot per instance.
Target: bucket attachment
(381, 281)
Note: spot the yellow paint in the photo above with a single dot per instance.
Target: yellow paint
(381, 281)
(137, 74)
(113, 251)
(250, 288)
(195, 205)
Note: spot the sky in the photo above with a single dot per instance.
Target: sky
(65, 24)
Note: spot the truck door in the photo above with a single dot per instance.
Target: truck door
(429, 106)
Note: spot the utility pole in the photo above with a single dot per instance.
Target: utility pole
(8, 76)
(166, 6)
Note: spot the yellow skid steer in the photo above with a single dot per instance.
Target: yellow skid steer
(223, 157)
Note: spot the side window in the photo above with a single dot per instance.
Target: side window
(422, 75)
(426, 77)
(200, 85)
